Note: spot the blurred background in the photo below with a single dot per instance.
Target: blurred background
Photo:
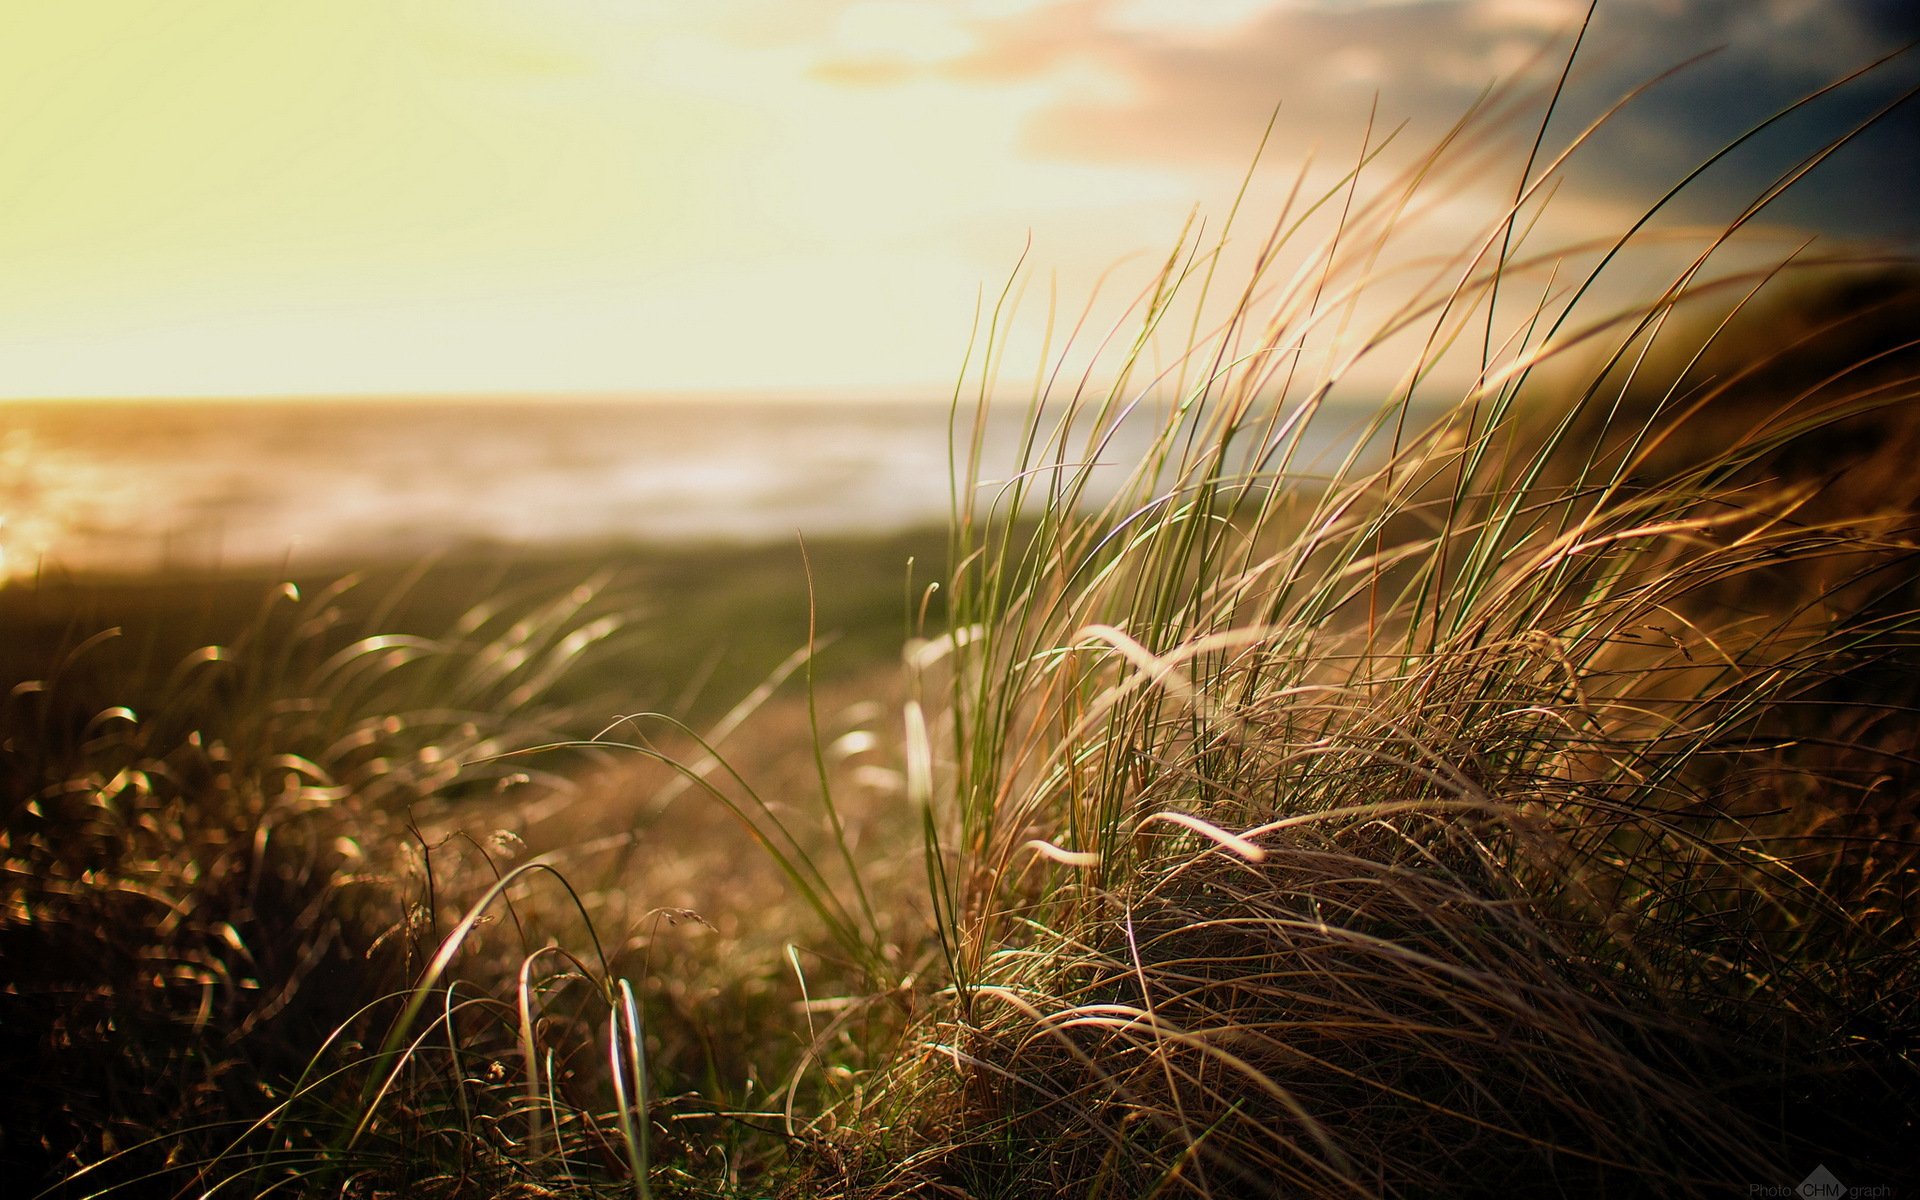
(290, 286)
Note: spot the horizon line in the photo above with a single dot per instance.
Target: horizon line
(805, 394)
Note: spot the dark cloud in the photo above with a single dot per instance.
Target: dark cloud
(1193, 98)
(1766, 59)
(1897, 21)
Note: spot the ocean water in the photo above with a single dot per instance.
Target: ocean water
(138, 487)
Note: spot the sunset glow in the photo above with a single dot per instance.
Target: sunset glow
(228, 198)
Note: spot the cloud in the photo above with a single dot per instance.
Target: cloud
(1201, 95)
(1766, 57)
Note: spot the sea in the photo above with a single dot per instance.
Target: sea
(140, 487)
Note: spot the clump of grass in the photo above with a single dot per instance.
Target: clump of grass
(216, 890)
(1522, 807)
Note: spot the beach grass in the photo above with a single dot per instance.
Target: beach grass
(1522, 805)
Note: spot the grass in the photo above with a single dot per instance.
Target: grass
(1522, 806)
(700, 626)
(244, 822)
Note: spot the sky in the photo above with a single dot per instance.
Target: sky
(808, 197)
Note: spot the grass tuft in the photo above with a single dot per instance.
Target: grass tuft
(1525, 805)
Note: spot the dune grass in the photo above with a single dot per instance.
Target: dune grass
(1531, 812)
(1520, 806)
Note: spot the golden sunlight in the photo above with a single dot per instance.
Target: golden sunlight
(229, 198)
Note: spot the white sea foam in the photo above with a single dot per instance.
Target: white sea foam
(136, 487)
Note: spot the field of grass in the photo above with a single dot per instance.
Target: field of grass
(240, 766)
(1525, 809)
